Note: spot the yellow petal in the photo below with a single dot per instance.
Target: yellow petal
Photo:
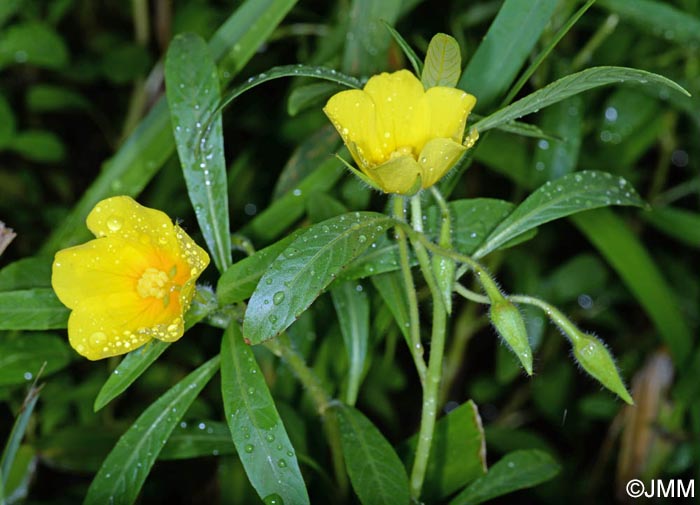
(122, 216)
(111, 325)
(449, 108)
(353, 114)
(97, 268)
(437, 158)
(196, 257)
(397, 175)
(402, 115)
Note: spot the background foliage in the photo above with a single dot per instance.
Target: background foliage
(83, 115)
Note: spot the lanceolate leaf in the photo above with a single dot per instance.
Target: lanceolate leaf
(516, 470)
(376, 472)
(352, 307)
(256, 428)
(505, 49)
(121, 476)
(572, 85)
(192, 84)
(326, 74)
(443, 62)
(555, 199)
(305, 268)
(457, 456)
(32, 309)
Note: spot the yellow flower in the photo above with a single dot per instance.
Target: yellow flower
(396, 131)
(131, 284)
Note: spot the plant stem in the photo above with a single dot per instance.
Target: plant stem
(283, 348)
(437, 349)
(415, 345)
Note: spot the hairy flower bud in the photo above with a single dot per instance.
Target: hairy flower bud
(508, 321)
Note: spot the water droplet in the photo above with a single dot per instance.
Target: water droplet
(272, 318)
(278, 297)
(97, 339)
(611, 114)
(362, 239)
(282, 463)
(270, 437)
(249, 448)
(114, 223)
(273, 499)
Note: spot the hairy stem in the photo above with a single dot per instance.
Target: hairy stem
(434, 373)
(415, 345)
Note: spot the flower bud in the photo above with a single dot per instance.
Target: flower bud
(508, 321)
(594, 357)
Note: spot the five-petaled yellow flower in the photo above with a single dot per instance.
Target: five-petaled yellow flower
(131, 284)
(396, 131)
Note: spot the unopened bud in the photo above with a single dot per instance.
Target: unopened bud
(594, 357)
(508, 321)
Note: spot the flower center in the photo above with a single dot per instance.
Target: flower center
(402, 151)
(153, 282)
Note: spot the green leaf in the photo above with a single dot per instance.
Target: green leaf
(680, 224)
(326, 74)
(391, 288)
(367, 39)
(256, 428)
(122, 474)
(151, 143)
(309, 95)
(505, 48)
(33, 272)
(38, 145)
(137, 361)
(32, 309)
(443, 62)
(658, 18)
(16, 435)
(623, 250)
(51, 98)
(33, 43)
(7, 122)
(352, 307)
(516, 470)
(555, 199)
(129, 369)
(375, 471)
(198, 439)
(306, 267)
(406, 48)
(239, 281)
(23, 356)
(457, 456)
(572, 85)
(192, 84)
